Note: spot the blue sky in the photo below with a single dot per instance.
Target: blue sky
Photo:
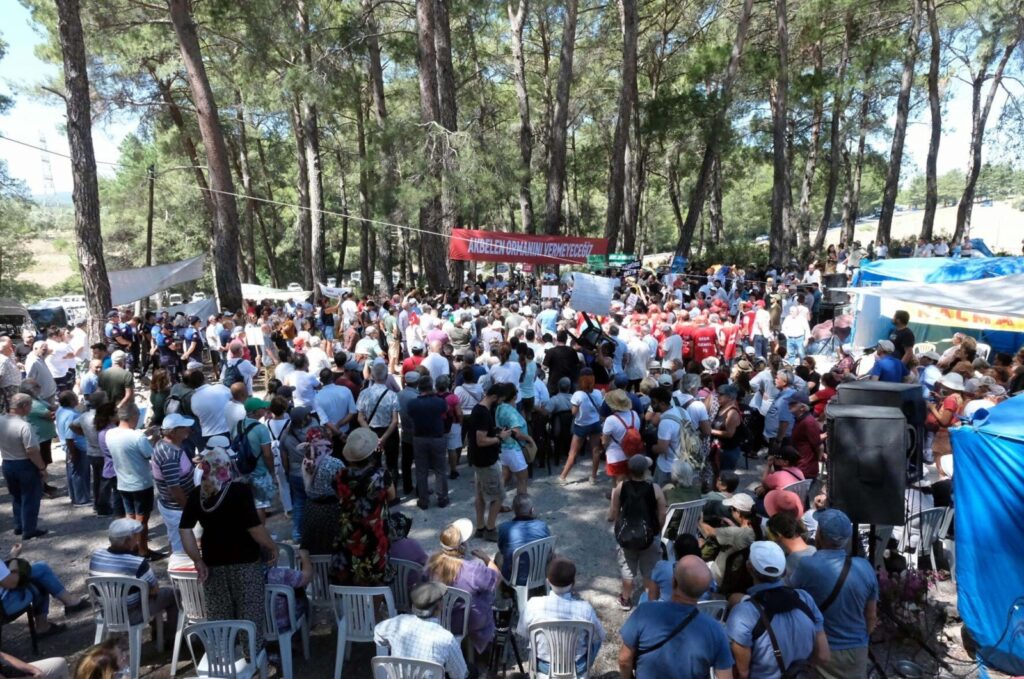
(33, 117)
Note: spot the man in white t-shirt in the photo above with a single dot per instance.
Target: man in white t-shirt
(667, 447)
(434, 362)
(305, 385)
(235, 360)
(209, 403)
(685, 399)
(671, 346)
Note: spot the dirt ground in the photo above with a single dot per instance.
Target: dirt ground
(576, 514)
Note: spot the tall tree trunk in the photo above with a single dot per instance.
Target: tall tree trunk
(387, 198)
(780, 155)
(892, 174)
(695, 204)
(365, 210)
(85, 189)
(931, 172)
(269, 236)
(516, 19)
(433, 242)
(188, 144)
(311, 149)
(560, 123)
(343, 202)
(617, 174)
(715, 217)
(447, 107)
(851, 200)
(246, 175)
(303, 222)
(839, 101)
(979, 118)
(544, 38)
(803, 222)
(225, 233)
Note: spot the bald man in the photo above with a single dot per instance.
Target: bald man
(671, 638)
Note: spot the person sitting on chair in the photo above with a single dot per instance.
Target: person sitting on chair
(561, 603)
(521, 530)
(419, 635)
(34, 585)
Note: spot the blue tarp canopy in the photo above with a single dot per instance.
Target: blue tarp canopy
(988, 481)
(873, 321)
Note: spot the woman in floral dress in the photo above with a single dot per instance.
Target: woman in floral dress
(364, 490)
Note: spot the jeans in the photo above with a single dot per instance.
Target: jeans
(794, 349)
(761, 346)
(390, 451)
(728, 459)
(298, 490)
(26, 489)
(44, 584)
(172, 519)
(79, 475)
(100, 487)
(329, 333)
(431, 455)
(407, 458)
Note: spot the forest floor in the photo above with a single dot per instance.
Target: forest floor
(576, 514)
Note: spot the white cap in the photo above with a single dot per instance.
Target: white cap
(768, 559)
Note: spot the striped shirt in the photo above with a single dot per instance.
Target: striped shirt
(171, 467)
(124, 564)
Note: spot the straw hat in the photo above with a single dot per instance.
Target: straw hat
(618, 401)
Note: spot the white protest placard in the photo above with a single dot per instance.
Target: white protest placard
(549, 291)
(592, 294)
(254, 337)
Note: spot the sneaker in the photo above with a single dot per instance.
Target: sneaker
(36, 534)
(623, 604)
(423, 505)
(80, 606)
(443, 502)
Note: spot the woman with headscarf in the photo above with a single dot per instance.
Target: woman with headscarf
(318, 468)
(450, 567)
(236, 544)
(364, 489)
(941, 416)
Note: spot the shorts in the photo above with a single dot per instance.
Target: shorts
(488, 482)
(585, 430)
(137, 502)
(394, 350)
(641, 562)
(620, 468)
(514, 459)
(263, 490)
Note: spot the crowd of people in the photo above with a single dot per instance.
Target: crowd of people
(349, 415)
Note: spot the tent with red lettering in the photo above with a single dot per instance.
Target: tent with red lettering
(980, 297)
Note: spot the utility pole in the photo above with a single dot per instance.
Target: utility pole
(151, 174)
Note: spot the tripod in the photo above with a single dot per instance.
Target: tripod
(504, 636)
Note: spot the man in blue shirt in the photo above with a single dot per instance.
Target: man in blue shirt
(689, 644)
(521, 530)
(887, 367)
(795, 620)
(778, 421)
(850, 607)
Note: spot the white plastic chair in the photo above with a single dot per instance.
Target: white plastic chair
(983, 351)
(454, 596)
(296, 623)
(539, 553)
(563, 638)
(319, 586)
(923, 348)
(390, 667)
(285, 555)
(405, 571)
(716, 608)
(110, 595)
(355, 613)
(801, 488)
(216, 655)
(948, 543)
(689, 517)
(925, 525)
(191, 600)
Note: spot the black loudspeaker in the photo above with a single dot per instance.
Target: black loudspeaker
(907, 397)
(867, 462)
(835, 280)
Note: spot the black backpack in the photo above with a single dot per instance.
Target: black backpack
(232, 374)
(772, 602)
(637, 524)
(245, 456)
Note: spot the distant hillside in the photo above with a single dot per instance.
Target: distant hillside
(59, 199)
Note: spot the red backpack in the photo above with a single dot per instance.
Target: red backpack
(632, 442)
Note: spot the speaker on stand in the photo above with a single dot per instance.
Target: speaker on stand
(909, 398)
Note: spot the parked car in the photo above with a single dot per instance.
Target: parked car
(294, 287)
(174, 299)
(332, 282)
(198, 296)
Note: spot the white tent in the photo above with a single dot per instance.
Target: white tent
(1000, 296)
(129, 285)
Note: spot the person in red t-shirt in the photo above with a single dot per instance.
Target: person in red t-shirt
(413, 362)
(727, 337)
(705, 341)
(806, 436)
(824, 394)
